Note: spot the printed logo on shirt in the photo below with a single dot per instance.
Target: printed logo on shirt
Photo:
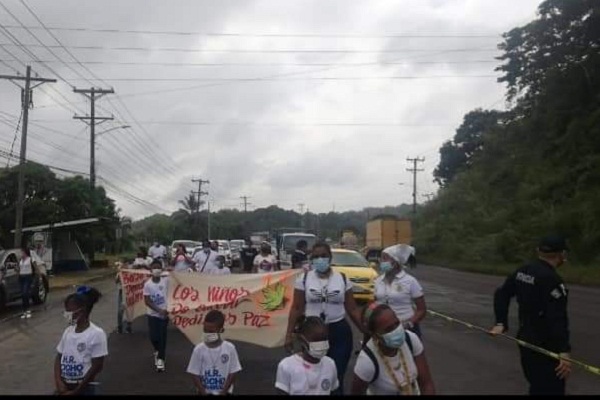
(81, 347)
(525, 278)
(213, 380)
(158, 299)
(326, 384)
(323, 296)
(556, 294)
(224, 358)
(70, 369)
(563, 288)
(266, 265)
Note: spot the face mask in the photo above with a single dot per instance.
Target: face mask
(68, 315)
(321, 264)
(385, 266)
(211, 337)
(156, 273)
(207, 250)
(395, 339)
(317, 350)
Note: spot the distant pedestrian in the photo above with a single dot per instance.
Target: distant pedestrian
(400, 290)
(221, 268)
(26, 273)
(158, 252)
(214, 246)
(300, 256)
(309, 372)
(155, 298)
(247, 255)
(543, 320)
(182, 262)
(393, 361)
(265, 261)
(82, 348)
(214, 364)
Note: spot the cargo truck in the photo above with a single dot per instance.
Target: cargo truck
(385, 231)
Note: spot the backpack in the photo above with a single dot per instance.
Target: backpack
(372, 357)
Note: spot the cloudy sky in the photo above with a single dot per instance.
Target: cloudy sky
(317, 102)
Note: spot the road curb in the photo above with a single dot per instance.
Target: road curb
(84, 280)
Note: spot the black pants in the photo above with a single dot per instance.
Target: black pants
(25, 282)
(539, 371)
(158, 335)
(340, 349)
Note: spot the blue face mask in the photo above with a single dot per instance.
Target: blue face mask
(321, 264)
(385, 266)
(395, 339)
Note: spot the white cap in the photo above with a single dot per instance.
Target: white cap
(399, 252)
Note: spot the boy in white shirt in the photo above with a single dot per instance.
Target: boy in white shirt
(214, 363)
(221, 268)
(155, 297)
(265, 261)
(310, 372)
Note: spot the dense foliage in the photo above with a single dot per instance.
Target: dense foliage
(511, 177)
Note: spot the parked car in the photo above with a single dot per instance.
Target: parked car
(358, 270)
(9, 281)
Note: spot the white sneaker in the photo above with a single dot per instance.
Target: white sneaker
(160, 365)
(28, 314)
(24, 315)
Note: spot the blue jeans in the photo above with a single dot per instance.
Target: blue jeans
(340, 349)
(25, 282)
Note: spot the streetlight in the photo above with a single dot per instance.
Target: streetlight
(112, 129)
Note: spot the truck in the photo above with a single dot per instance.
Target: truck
(286, 240)
(349, 240)
(387, 230)
(258, 237)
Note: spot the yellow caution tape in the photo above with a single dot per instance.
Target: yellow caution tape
(586, 367)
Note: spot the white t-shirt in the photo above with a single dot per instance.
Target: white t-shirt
(214, 365)
(158, 295)
(324, 295)
(157, 252)
(220, 271)
(25, 266)
(78, 349)
(298, 377)
(140, 262)
(200, 259)
(384, 385)
(265, 264)
(400, 295)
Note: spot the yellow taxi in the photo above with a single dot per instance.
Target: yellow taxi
(358, 270)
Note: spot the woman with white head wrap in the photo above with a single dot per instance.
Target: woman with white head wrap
(399, 290)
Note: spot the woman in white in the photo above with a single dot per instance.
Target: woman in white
(309, 372)
(327, 294)
(265, 261)
(393, 362)
(82, 348)
(399, 290)
(182, 261)
(25, 272)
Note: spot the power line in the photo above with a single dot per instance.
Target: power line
(282, 35)
(261, 51)
(15, 139)
(319, 78)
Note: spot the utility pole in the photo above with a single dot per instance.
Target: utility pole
(93, 94)
(245, 198)
(200, 193)
(25, 104)
(414, 171)
(301, 207)
(208, 220)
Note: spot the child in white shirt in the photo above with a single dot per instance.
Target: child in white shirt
(309, 372)
(214, 363)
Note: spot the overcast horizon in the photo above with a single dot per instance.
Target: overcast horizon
(287, 102)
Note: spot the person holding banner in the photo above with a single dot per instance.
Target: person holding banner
(155, 298)
(82, 348)
(182, 261)
(214, 363)
(393, 362)
(309, 372)
(327, 294)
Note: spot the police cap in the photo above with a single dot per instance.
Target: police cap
(553, 244)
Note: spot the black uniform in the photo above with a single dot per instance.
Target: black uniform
(247, 255)
(543, 322)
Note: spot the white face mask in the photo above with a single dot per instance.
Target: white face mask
(156, 273)
(211, 337)
(68, 316)
(318, 350)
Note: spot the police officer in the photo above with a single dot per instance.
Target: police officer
(543, 321)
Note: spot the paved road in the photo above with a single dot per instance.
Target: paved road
(462, 361)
